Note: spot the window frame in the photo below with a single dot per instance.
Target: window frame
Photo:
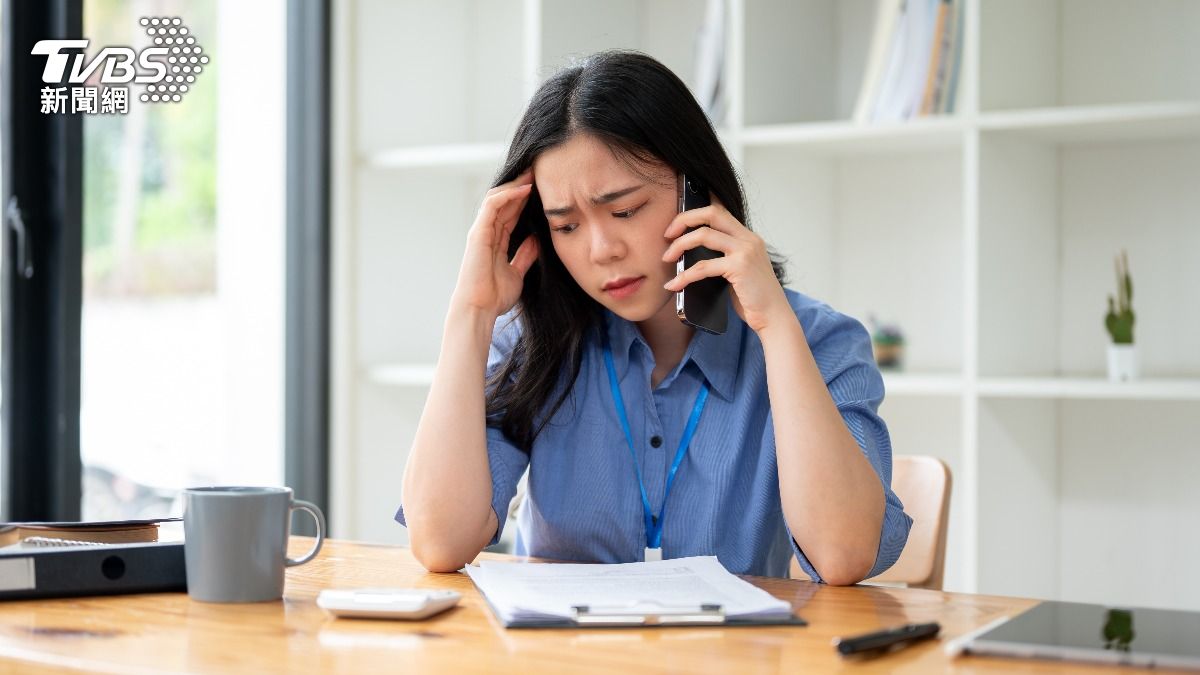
(43, 275)
(40, 464)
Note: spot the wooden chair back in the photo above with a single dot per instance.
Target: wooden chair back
(923, 484)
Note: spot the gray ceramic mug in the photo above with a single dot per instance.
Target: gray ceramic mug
(235, 541)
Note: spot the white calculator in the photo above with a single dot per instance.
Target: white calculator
(387, 603)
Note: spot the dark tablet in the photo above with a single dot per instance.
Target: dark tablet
(1082, 632)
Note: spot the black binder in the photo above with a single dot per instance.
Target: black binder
(110, 569)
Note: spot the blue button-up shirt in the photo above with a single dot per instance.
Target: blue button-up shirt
(583, 501)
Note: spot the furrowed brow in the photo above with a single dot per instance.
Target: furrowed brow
(606, 198)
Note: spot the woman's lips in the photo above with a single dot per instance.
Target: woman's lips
(625, 290)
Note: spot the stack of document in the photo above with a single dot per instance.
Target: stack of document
(696, 590)
(100, 532)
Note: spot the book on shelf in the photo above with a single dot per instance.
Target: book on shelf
(892, 57)
(906, 96)
(913, 60)
(710, 62)
(878, 58)
(102, 532)
(951, 60)
(935, 57)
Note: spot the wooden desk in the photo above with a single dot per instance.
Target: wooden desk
(169, 633)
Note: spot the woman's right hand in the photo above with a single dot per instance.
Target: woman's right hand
(487, 280)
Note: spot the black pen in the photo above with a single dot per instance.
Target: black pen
(884, 640)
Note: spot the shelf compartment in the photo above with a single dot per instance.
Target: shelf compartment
(896, 255)
(1074, 493)
(1041, 53)
(1052, 218)
(803, 61)
(411, 235)
(1127, 501)
(665, 29)
(431, 73)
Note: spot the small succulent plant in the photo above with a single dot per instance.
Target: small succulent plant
(1119, 320)
(888, 343)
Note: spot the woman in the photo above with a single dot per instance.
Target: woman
(644, 438)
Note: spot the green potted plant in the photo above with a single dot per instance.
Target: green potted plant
(887, 341)
(1122, 355)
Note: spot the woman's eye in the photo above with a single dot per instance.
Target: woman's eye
(565, 229)
(627, 213)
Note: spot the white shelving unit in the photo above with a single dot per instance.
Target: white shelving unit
(451, 157)
(1156, 389)
(988, 235)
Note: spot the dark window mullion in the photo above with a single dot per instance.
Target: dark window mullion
(43, 178)
(306, 365)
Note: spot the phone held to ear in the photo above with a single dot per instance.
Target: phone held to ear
(703, 304)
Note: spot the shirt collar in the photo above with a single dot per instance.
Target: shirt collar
(717, 356)
(622, 335)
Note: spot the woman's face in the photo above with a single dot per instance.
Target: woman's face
(607, 224)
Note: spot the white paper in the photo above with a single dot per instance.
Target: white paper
(531, 591)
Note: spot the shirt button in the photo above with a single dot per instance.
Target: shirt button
(655, 441)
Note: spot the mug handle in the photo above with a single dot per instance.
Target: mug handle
(317, 516)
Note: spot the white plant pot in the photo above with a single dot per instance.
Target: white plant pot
(1122, 363)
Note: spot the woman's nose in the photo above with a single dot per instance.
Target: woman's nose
(606, 246)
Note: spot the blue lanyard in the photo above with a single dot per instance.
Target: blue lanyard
(654, 525)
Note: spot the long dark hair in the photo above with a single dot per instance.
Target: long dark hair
(645, 114)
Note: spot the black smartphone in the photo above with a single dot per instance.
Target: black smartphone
(704, 304)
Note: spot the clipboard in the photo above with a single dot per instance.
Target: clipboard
(662, 593)
(585, 616)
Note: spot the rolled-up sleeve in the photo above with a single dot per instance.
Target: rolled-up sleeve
(506, 461)
(842, 350)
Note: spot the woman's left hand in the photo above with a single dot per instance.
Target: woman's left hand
(758, 298)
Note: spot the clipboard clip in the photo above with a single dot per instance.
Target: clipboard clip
(647, 614)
